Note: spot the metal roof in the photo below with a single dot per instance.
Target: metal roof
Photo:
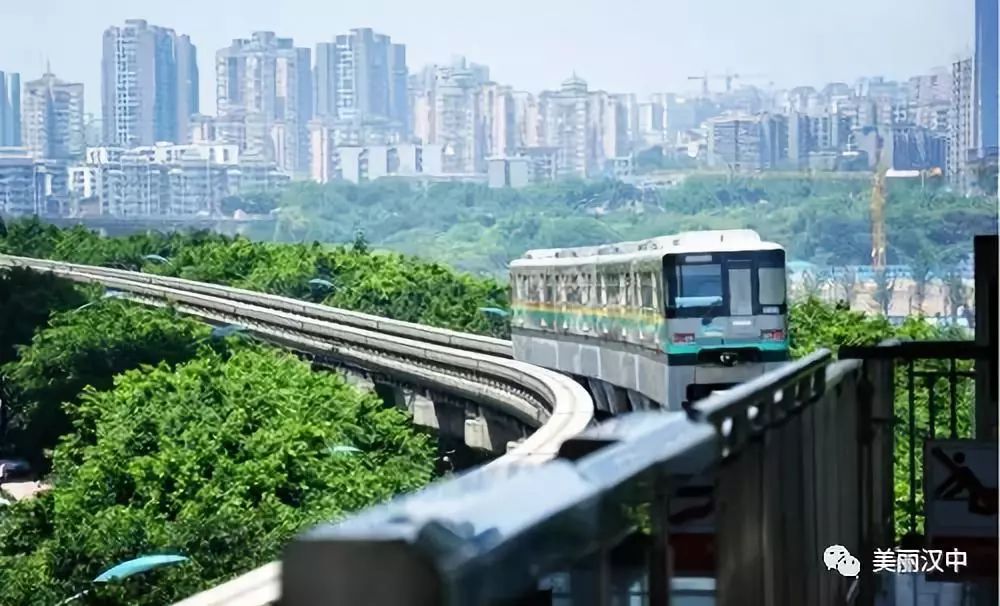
(723, 240)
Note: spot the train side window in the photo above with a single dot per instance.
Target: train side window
(603, 287)
(539, 289)
(550, 288)
(613, 288)
(655, 277)
(629, 295)
(646, 290)
(584, 282)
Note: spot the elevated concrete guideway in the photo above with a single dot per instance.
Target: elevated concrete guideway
(470, 372)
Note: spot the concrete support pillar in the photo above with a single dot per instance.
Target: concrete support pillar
(424, 413)
(490, 433)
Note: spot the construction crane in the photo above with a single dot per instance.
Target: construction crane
(878, 209)
(728, 77)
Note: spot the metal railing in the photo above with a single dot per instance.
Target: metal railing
(790, 457)
(928, 389)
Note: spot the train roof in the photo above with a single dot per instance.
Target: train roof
(723, 240)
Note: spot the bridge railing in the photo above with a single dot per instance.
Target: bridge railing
(791, 459)
(926, 390)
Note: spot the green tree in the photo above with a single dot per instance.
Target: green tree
(86, 347)
(27, 299)
(222, 459)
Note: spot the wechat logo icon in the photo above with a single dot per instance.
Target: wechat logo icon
(836, 557)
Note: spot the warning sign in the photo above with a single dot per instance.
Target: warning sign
(960, 488)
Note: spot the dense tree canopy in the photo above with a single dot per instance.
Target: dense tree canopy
(83, 347)
(404, 288)
(221, 459)
(818, 218)
(26, 301)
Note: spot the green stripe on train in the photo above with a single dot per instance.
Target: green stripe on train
(694, 348)
(658, 325)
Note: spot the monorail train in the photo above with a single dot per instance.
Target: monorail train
(666, 320)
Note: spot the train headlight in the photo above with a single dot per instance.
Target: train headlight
(775, 334)
(683, 337)
(728, 358)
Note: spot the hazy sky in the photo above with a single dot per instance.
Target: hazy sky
(621, 46)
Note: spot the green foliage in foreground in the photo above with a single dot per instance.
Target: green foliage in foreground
(26, 301)
(221, 459)
(84, 347)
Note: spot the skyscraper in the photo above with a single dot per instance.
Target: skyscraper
(149, 89)
(457, 117)
(399, 100)
(961, 124)
(564, 118)
(362, 77)
(53, 118)
(186, 55)
(986, 76)
(325, 80)
(269, 81)
(10, 110)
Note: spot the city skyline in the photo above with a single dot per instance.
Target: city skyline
(623, 64)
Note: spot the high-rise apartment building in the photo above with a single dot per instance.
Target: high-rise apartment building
(10, 110)
(528, 120)
(399, 99)
(961, 127)
(325, 81)
(149, 84)
(742, 142)
(499, 126)
(457, 118)
(166, 179)
(565, 125)
(987, 85)
(591, 130)
(603, 127)
(52, 120)
(362, 77)
(268, 81)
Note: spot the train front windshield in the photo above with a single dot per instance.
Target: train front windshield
(725, 284)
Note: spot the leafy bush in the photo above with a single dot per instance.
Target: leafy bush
(86, 347)
(221, 459)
